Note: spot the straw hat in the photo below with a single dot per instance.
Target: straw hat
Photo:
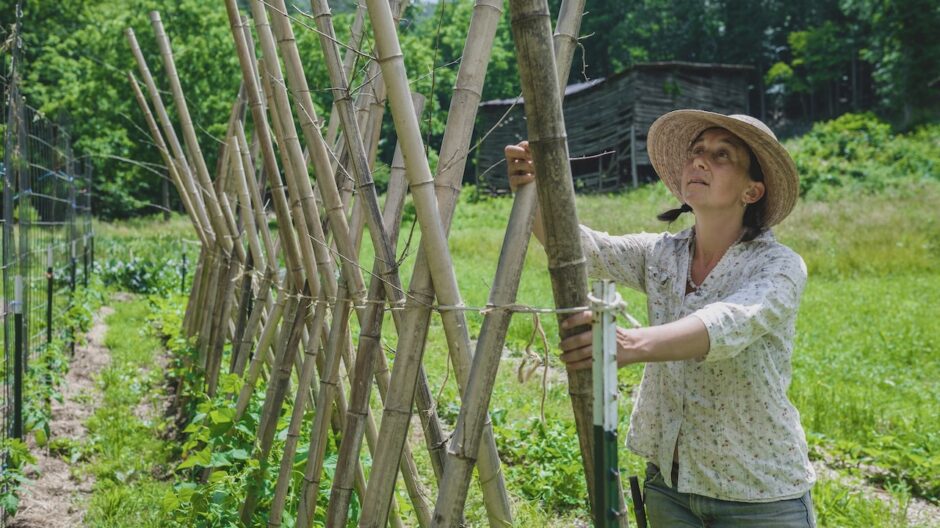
(672, 134)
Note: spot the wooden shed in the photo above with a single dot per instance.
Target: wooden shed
(607, 120)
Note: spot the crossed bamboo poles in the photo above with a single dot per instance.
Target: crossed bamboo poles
(290, 330)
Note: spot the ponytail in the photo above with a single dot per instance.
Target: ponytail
(673, 214)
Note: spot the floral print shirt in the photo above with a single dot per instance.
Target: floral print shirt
(737, 435)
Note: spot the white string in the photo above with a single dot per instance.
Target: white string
(618, 306)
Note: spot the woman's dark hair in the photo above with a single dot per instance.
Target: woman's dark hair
(753, 213)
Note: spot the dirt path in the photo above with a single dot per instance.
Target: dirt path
(56, 496)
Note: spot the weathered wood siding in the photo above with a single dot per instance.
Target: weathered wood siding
(598, 119)
(659, 90)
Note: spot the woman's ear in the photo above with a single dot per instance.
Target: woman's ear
(754, 192)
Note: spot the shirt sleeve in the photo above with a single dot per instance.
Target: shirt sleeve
(763, 304)
(618, 258)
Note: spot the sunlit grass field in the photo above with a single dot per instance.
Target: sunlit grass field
(865, 365)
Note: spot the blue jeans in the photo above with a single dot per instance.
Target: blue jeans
(666, 507)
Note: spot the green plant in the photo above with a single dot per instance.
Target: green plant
(858, 153)
(543, 462)
(15, 455)
(127, 450)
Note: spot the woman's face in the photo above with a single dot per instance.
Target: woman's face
(715, 174)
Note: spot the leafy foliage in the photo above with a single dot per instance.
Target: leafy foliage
(858, 152)
(214, 444)
(153, 265)
(544, 463)
(16, 455)
(821, 58)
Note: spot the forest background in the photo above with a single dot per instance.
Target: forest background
(813, 60)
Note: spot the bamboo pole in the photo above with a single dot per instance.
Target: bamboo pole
(177, 149)
(256, 103)
(359, 160)
(338, 330)
(300, 187)
(222, 170)
(353, 45)
(266, 259)
(372, 318)
(316, 146)
(398, 405)
(305, 242)
(221, 223)
(224, 329)
(390, 58)
(280, 104)
(330, 378)
(226, 294)
(174, 172)
(204, 293)
(244, 344)
(471, 421)
(190, 318)
(531, 28)
(256, 258)
(295, 257)
(347, 248)
(167, 159)
(295, 168)
(394, 204)
(245, 304)
(210, 297)
(318, 150)
(369, 109)
(274, 395)
(268, 334)
(257, 202)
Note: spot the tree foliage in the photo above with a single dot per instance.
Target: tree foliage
(812, 60)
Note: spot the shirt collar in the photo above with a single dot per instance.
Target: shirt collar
(766, 236)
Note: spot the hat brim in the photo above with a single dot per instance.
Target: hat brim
(672, 134)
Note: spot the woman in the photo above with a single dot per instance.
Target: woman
(722, 296)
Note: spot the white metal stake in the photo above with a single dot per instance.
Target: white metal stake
(17, 294)
(604, 302)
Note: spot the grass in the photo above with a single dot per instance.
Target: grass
(865, 363)
(127, 456)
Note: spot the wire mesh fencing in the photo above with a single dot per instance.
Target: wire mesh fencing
(47, 251)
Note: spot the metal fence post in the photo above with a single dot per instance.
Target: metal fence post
(183, 270)
(19, 357)
(50, 283)
(606, 472)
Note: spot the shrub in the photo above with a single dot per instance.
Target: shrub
(859, 153)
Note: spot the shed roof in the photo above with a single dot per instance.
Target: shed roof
(662, 65)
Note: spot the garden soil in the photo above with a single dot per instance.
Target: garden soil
(58, 492)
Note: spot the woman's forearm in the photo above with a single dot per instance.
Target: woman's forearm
(684, 339)
(537, 228)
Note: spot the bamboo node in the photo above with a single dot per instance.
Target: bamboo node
(566, 263)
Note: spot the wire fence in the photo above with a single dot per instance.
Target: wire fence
(47, 246)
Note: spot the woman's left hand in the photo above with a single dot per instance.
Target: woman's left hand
(578, 350)
(679, 340)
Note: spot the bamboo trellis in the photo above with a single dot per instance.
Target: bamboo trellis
(290, 329)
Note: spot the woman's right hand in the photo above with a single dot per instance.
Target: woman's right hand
(519, 165)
